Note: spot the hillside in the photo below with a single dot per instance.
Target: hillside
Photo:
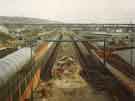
(24, 20)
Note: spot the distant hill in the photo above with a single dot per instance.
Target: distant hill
(24, 20)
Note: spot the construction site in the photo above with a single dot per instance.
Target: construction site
(68, 62)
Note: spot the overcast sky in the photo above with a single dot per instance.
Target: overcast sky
(80, 11)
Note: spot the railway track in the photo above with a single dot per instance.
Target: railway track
(78, 91)
(97, 75)
(122, 71)
(121, 65)
(49, 61)
(116, 62)
(102, 78)
(22, 70)
(113, 59)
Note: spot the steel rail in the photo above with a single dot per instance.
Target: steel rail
(126, 82)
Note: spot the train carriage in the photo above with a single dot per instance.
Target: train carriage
(20, 71)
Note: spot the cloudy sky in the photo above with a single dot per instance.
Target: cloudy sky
(80, 11)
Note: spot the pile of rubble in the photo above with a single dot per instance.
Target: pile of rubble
(63, 67)
(65, 78)
(66, 73)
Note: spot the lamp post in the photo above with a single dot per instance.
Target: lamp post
(104, 51)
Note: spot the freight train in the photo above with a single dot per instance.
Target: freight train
(20, 71)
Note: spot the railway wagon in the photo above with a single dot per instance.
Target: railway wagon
(6, 51)
(20, 71)
(13, 68)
